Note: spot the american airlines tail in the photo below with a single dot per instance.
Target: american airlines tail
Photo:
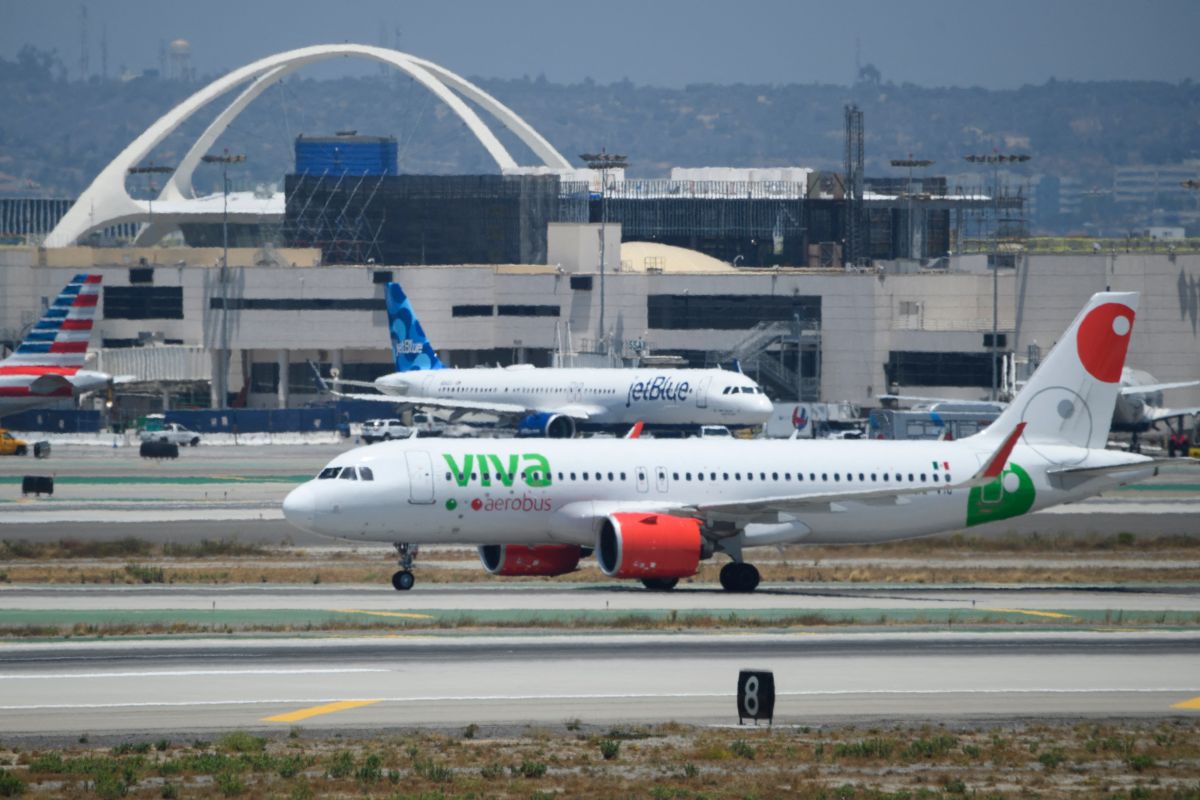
(60, 338)
(1069, 400)
(411, 348)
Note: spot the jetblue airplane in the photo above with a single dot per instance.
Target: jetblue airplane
(653, 509)
(47, 364)
(555, 402)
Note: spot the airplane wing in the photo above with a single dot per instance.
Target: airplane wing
(1157, 387)
(1160, 414)
(772, 509)
(503, 409)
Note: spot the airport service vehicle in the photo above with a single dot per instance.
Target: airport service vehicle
(156, 429)
(11, 445)
(558, 402)
(652, 509)
(384, 430)
(47, 365)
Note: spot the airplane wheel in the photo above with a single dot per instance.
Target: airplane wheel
(660, 584)
(737, 577)
(403, 580)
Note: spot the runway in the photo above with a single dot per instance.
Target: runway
(389, 682)
(1027, 652)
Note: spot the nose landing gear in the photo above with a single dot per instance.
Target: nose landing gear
(403, 580)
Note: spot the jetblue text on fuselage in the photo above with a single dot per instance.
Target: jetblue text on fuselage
(407, 347)
(658, 388)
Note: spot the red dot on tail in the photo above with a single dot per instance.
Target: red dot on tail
(1103, 339)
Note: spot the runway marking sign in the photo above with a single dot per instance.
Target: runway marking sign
(1194, 703)
(316, 711)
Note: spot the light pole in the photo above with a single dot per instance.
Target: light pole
(149, 170)
(225, 159)
(603, 161)
(911, 162)
(996, 159)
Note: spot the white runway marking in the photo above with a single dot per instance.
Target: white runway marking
(33, 676)
(523, 698)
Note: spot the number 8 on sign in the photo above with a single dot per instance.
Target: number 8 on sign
(756, 695)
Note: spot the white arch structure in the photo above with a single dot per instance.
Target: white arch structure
(106, 201)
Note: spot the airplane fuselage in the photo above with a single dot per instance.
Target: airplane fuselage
(546, 491)
(23, 387)
(611, 397)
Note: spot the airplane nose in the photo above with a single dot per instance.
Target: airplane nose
(299, 507)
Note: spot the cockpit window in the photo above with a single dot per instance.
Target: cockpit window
(329, 472)
(348, 474)
(365, 474)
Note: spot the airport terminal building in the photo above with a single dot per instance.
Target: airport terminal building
(808, 333)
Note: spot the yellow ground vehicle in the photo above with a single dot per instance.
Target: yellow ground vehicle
(11, 446)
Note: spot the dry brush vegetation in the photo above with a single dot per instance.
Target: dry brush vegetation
(1112, 759)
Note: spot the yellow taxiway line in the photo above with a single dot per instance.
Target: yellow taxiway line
(316, 711)
(382, 613)
(1194, 703)
(1051, 614)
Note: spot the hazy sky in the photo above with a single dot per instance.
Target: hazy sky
(655, 42)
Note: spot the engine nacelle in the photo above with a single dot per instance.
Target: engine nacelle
(523, 559)
(551, 426)
(648, 546)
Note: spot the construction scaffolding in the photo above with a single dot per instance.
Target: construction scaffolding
(422, 219)
(854, 251)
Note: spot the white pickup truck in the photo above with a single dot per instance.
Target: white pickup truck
(157, 430)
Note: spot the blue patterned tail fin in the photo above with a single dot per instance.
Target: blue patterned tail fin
(410, 346)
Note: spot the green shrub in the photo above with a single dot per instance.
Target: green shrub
(609, 748)
(371, 770)
(1142, 761)
(529, 769)
(930, 748)
(864, 748)
(1051, 758)
(491, 771)
(341, 765)
(10, 785)
(242, 742)
(742, 748)
(230, 784)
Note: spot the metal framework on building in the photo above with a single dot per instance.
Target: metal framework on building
(854, 253)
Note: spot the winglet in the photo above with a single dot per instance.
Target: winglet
(999, 459)
(636, 431)
(320, 380)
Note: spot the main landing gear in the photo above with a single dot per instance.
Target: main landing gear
(738, 576)
(660, 584)
(403, 580)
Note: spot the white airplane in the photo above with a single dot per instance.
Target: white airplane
(555, 402)
(653, 509)
(47, 365)
(1139, 407)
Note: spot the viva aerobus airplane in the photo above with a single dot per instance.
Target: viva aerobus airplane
(555, 402)
(653, 509)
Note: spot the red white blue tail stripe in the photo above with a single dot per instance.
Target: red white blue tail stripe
(60, 338)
